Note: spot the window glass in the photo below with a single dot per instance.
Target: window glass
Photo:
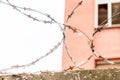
(116, 13)
(102, 13)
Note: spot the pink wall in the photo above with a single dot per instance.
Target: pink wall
(78, 46)
(106, 42)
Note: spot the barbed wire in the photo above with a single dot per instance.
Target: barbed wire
(73, 11)
(63, 29)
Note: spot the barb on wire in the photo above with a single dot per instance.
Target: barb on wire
(78, 31)
(70, 15)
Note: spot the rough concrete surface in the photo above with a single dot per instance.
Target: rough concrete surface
(97, 74)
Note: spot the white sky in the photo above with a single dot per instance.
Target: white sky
(22, 40)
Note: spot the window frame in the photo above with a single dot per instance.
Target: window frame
(109, 3)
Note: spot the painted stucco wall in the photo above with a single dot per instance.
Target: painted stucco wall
(107, 42)
(83, 19)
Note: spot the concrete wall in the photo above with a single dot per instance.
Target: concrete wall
(98, 74)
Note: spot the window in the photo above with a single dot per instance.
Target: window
(107, 12)
(115, 10)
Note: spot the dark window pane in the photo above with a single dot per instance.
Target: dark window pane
(102, 13)
(115, 11)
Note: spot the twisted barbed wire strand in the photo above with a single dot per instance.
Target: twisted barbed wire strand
(73, 11)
